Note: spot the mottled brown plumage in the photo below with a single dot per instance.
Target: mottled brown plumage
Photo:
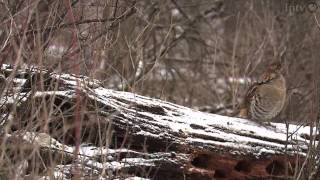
(266, 98)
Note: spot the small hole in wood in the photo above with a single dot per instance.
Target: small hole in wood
(220, 173)
(276, 167)
(243, 166)
(201, 161)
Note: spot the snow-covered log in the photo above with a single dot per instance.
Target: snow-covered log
(126, 136)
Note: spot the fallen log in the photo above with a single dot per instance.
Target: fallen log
(125, 135)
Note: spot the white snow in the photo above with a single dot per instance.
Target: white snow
(56, 51)
(175, 12)
(44, 140)
(235, 131)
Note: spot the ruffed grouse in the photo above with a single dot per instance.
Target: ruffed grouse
(266, 98)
